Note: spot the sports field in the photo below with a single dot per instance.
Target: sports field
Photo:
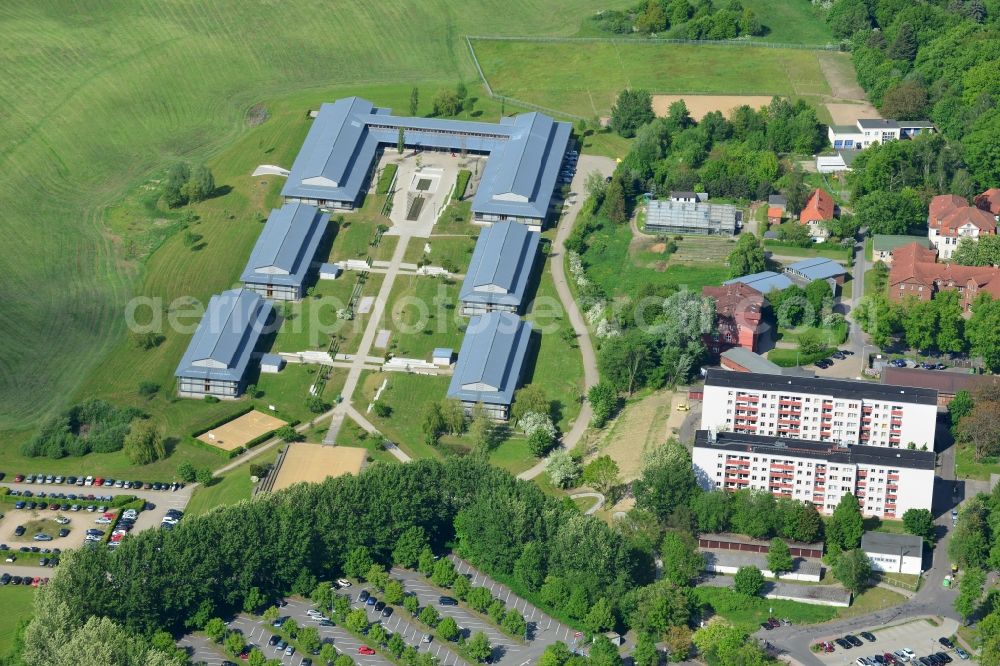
(241, 430)
(312, 463)
(108, 95)
(585, 77)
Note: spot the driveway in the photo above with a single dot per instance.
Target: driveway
(586, 165)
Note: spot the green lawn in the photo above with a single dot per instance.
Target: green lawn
(585, 77)
(110, 95)
(751, 612)
(831, 336)
(610, 265)
(17, 603)
(513, 455)
(447, 251)
(288, 390)
(791, 22)
(423, 315)
(967, 467)
(230, 488)
(355, 233)
(828, 250)
(408, 395)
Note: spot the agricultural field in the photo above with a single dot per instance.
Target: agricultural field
(120, 93)
(585, 77)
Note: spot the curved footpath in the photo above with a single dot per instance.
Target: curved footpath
(587, 164)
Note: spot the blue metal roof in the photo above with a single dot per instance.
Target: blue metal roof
(764, 281)
(816, 268)
(525, 154)
(272, 359)
(491, 358)
(501, 265)
(226, 336)
(442, 351)
(286, 246)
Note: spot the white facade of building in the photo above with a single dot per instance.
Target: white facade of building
(894, 553)
(866, 132)
(886, 483)
(826, 410)
(946, 244)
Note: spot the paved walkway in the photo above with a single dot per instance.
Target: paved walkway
(587, 165)
(339, 412)
(597, 505)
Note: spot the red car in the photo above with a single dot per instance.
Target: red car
(54, 507)
(36, 581)
(245, 654)
(19, 478)
(365, 650)
(98, 481)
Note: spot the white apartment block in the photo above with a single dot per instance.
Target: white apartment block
(868, 131)
(825, 410)
(887, 482)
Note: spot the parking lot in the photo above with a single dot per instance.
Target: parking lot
(917, 635)
(202, 650)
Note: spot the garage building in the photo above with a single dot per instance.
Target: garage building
(894, 553)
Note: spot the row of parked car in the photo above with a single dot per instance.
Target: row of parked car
(172, 517)
(568, 166)
(838, 355)
(896, 657)
(7, 579)
(45, 561)
(98, 481)
(55, 506)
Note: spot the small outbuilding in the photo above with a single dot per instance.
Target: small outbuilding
(817, 268)
(442, 356)
(329, 271)
(271, 364)
(894, 553)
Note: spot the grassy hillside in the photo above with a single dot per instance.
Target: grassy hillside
(586, 77)
(98, 98)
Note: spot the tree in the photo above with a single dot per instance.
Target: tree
(447, 103)
(614, 205)
(234, 643)
(357, 621)
(632, 110)
(601, 473)
(530, 398)
(410, 543)
(453, 414)
(358, 562)
(479, 598)
(381, 409)
(377, 576)
(904, 46)
(959, 406)
(411, 604)
(653, 19)
(947, 310)
(414, 100)
(447, 629)
(257, 658)
(678, 642)
(562, 469)
(983, 331)
(433, 424)
(779, 557)
(667, 480)
(478, 647)
(626, 360)
(748, 581)
(846, 525)
(204, 476)
(308, 639)
(429, 616)
(215, 629)
(143, 444)
(377, 634)
(803, 524)
(254, 600)
(893, 212)
(201, 184)
(540, 442)
(186, 471)
(291, 627)
(747, 257)
(529, 569)
(981, 429)
(682, 563)
(795, 189)
(461, 587)
(514, 623)
(148, 389)
(656, 607)
(288, 434)
(599, 618)
(604, 653)
(970, 590)
(174, 194)
(484, 432)
(645, 652)
(270, 614)
(820, 296)
(853, 569)
(316, 405)
(603, 400)
(711, 511)
(905, 101)
(444, 573)
(394, 592)
(919, 522)
(753, 513)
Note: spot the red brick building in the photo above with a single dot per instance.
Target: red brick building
(738, 315)
(915, 272)
(989, 201)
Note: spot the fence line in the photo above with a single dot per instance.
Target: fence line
(656, 40)
(512, 100)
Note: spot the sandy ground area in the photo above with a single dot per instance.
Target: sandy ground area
(640, 427)
(314, 462)
(700, 105)
(241, 430)
(847, 114)
(80, 521)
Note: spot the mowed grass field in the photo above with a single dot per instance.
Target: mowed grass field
(585, 77)
(100, 98)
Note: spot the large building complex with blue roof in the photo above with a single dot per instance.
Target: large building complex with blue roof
(334, 167)
(500, 269)
(218, 356)
(281, 259)
(491, 363)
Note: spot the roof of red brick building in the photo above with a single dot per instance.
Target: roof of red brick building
(913, 262)
(942, 205)
(819, 207)
(958, 218)
(989, 200)
(737, 301)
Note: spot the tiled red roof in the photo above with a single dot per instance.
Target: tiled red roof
(737, 301)
(912, 262)
(989, 200)
(942, 205)
(818, 207)
(958, 218)
(774, 211)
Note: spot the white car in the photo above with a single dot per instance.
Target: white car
(62, 520)
(343, 582)
(167, 520)
(103, 521)
(313, 613)
(908, 652)
(902, 656)
(89, 481)
(131, 513)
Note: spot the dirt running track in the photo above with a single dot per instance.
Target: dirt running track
(700, 105)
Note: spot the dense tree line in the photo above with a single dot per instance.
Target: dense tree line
(682, 19)
(938, 60)
(934, 325)
(975, 420)
(92, 426)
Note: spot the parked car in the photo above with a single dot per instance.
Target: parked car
(273, 640)
(387, 611)
(365, 650)
(842, 643)
(853, 640)
(371, 601)
(379, 605)
(901, 656)
(343, 583)
(363, 595)
(447, 601)
(19, 531)
(962, 654)
(42, 536)
(868, 636)
(945, 642)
